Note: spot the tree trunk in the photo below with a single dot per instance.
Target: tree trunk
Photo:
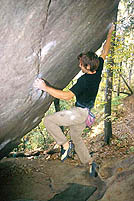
(130, 73)
(108, 96)
(119, 80)
(57, 109)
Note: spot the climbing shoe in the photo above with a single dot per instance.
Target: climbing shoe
(93, 170)
(68, 153)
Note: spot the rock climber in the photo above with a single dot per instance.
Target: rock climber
(85, 90)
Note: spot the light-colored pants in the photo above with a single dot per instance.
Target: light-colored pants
(75, 120)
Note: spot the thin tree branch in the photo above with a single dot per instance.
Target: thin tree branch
(127, 84)
(123, 92)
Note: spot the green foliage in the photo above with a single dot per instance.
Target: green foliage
(68, 104)
(36, 139)
(132, 149)
(117, 100)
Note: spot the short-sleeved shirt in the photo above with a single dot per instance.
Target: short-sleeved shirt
(87, 86)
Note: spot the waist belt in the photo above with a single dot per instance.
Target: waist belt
(91, 105)
(91, 117)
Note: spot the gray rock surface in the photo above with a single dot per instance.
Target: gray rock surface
(75, 192)
(37, 179)
(119, 178)
(42, 39)
(26, 179)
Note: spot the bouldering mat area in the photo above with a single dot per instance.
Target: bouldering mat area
(37, 179)
(75, 192)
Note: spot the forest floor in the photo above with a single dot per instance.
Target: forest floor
(41, 177)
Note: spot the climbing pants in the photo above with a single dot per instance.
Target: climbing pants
(74, 119)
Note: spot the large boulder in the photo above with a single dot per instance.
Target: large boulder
(42, 39)
(119, 179)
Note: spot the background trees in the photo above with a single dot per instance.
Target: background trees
(119, 67)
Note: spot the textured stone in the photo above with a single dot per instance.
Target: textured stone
(119, 179)
(75, 192)
(42, 39)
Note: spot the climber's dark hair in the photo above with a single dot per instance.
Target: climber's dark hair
(89, 58)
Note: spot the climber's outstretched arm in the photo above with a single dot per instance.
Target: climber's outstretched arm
(57, 93)
(106, 46)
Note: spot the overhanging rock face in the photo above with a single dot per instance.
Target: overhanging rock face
(43, 38)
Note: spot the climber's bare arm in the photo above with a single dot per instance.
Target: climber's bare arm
(106, 46)
(64, 95)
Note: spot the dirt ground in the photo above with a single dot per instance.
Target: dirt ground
(38, 179)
